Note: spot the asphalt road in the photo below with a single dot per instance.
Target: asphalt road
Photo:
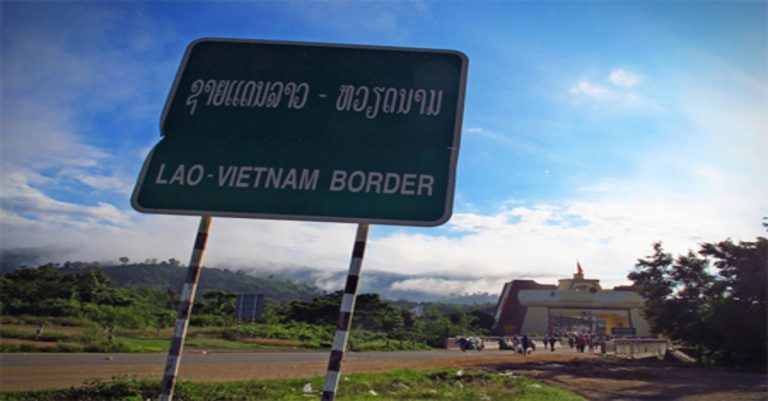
(58, 370)
(596, 378)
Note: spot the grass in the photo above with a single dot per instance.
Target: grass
(401, 384)
(82, 336)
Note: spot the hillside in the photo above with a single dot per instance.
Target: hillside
(278, 281)
(389, 285)
(167, 276)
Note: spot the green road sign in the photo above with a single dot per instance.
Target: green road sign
(623, 331)
(306, 131)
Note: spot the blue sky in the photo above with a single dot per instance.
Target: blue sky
(590, 130)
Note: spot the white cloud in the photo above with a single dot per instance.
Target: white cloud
(589, 89)
(445, 287)
(39, 135)
(623, 78)
(232, 242)
(122, 185)
(516, 141)
(56, 86)
(712, 173)
(606, 230)
(21, 200)
(730, 120)
(618, 94)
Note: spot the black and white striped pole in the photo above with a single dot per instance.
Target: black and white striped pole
(345, 315)
(185, 310)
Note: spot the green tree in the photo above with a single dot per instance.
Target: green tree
(737, 324)
(94, 286)
(371, 313)
(217, 302)
(323, 310)
(721, 311)
(483, 320)
(50, 291)
(652, 276)
(689, 308)
(32, 290)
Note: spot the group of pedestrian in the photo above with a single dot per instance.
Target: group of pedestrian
(550, 341)
(586, 341)
(521, 345)
(581, 341)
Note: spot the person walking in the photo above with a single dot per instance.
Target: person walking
(525, 343)
(580, 343)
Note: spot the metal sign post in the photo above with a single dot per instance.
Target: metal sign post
(345, 315)
(310, 132)
(185, 310)
(249, 308)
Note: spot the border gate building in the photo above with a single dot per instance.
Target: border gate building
(574, 306)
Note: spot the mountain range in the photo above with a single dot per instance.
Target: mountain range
(280, 282)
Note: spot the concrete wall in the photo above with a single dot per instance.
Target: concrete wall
(582, 299)
(643, 329)
(536, 320)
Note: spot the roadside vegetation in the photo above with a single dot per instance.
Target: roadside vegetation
(53, 309)
(712, 301)
(434, 385)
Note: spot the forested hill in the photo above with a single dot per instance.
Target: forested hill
(169, 276)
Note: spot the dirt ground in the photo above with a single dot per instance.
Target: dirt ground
(594, 377)
(602, 379)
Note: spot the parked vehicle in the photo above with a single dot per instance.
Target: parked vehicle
(471, 343)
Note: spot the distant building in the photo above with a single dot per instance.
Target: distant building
(574, 305)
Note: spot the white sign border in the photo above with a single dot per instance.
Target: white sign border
(451, 183)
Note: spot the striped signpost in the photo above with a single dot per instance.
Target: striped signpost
(185, 310)
(310, 132)
(346, 310)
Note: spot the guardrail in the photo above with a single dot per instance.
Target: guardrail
(633, 348)
(638, 348)
(490, 342)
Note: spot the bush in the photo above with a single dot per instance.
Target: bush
(52, 307)
(107, 315)
(63, 347)
(209, 321)
(66, 321)
(117, 346)
(12, 333)
(47, 336)
(10, 348)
